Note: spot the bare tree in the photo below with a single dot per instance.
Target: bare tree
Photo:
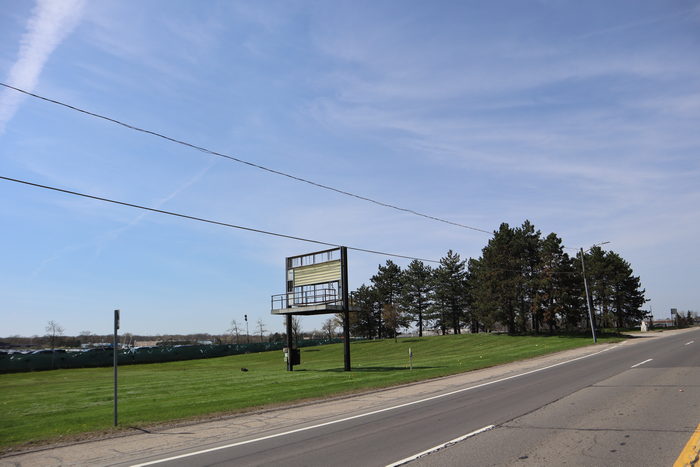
(261, 328)
(127, 340)
(53, 332)
(296, 328)
(234, 330)
(86, 337)
(329, 327)
(394, 319)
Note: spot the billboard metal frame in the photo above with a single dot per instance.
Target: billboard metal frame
(321, 289)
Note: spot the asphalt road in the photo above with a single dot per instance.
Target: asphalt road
(642, 415)
(632, 404)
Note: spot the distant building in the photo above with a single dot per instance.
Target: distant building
(664, 323)
(96, 345)
(145, 343)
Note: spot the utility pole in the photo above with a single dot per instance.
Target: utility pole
(585, 286)
(247, 333)
(588, 297)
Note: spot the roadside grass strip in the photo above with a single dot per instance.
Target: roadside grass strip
(58, 405)
(690, 455)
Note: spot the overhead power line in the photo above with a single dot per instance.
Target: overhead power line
(210, 221)
(242, 161)
(240, 227)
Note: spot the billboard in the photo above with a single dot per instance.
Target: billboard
(313, 280)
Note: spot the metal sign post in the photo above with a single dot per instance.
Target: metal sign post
(114, 347)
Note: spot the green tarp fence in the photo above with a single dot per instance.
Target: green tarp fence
(19, 362)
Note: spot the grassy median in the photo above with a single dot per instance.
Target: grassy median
(47, 405)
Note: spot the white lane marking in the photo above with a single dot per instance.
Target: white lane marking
(642, 363)
(440, 446)
(374, 412)
(688, 343)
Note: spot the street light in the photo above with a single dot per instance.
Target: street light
(585, 286)
(247, 333)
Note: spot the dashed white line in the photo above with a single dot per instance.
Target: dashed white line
(642, 363)
(688, 343)
(440, 446)
(366, 414)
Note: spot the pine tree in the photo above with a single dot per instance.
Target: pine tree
(496, 280)
(417, 291)
(598, 276)
(626, 295)
(480, 294)
(387, 283)
(526, 249)
(558, 297)
(365, 322)
(616, 293)
(450, 285)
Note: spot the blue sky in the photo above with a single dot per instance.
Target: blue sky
(580, 116)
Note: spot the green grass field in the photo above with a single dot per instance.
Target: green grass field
(47, 405)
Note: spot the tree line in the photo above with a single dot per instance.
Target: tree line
(522, 282)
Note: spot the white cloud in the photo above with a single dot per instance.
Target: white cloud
(638, 23)
(151, 45)
(51, 22)
(592, 142)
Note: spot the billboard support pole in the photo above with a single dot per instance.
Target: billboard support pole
(290, 341)
(346, 305)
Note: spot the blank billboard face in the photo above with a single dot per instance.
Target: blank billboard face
(316, 273)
